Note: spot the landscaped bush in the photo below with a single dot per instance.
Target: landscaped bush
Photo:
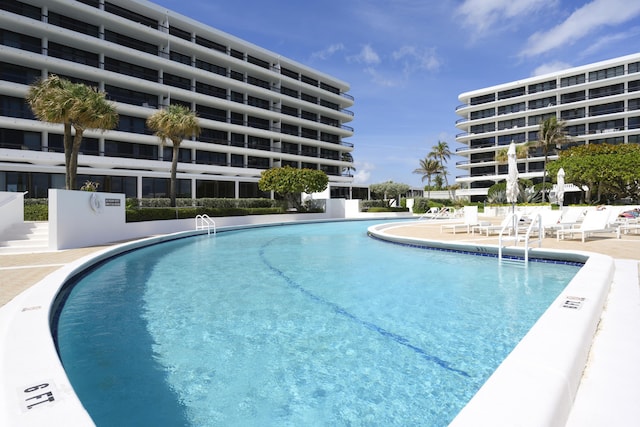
(387, 209)
(36, 209)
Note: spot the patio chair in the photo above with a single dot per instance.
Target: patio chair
(470, 220)
(594, 222)
(495, 229)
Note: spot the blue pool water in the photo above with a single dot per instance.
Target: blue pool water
(313, 324)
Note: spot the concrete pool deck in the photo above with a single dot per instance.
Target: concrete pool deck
(610, 386)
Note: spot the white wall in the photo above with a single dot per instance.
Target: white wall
(11, 209)
(75, 222)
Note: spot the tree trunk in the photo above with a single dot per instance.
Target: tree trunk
(73, 163)
(68, 149)
(174, 169)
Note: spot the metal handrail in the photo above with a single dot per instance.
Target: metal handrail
(536, 220)
(203, 221)
(512, 223)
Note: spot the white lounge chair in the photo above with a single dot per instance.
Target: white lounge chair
(549, 220)
(594, 222)
(470, 220)
(495, 229)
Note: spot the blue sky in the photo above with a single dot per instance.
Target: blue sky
(408, 60)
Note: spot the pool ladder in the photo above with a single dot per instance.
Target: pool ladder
(536, 224)
(204, 222)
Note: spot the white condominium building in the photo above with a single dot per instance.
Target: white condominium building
(600, 103)
(257, 109)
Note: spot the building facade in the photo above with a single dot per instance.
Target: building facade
(257, 109)
(600, 103)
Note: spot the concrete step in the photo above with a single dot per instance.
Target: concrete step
(27, 237)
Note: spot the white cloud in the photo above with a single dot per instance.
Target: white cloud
(363, 172)
(550, 68)
(328, 52)
(367, 56)
(610, 39)
(482, 15)
(588, 18)
(417, 59)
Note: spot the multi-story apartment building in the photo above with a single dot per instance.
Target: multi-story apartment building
(257, 109)
(599, 102)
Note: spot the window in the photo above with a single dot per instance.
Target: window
(633, 86)
(211, 44)
(248, 190)
(132, 16)
(184, 154)
(20, 8)
(256, 122)
(606, 91)
(259, 143)
(329, 154)
(572, 81)
(237, 97)
(257, 162)
(537, 119)
(211, 158)
(612, 107)
(175, 31)
(289, 148)
(211, 90)
(20, 41)
(72, 54)
(130, 42)
(542, 103)
(215, 189)
(574, 113)
(567, 98)
(509, 124)
(237, 118)
(606, 126)
(634, 67)
(575, 130)
(18, 74)
(511, 93)
(176, 81)
(289, 129)
(73, 24)
(512, 108)
(180, 57)
(18, 139)
(129, 96)
(328, 104)
(309, 133)
(133, 125)
(289, 92)
(309, 98)
(214, 136)
(309, 151)
(213, 68)
(606, 73)
(476, 100)
(130, 150)
(258, 82)
(634, 104)
(487, 127)
(289, 73)
(15, 107)
(258, 62)
(211, 113)
(634, 123)
(329, 137)
(489, 112)
(289, 111)
(309, 80)
(540, 87)
(131, 70)
(258, 102)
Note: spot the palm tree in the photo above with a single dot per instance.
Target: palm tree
(551, 136)
(174, 123)
(428, 168)
(347, 157)
(442, 153)
(74, 105)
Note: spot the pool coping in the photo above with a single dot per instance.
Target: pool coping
(35, 390)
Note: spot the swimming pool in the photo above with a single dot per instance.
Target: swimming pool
(297, 325)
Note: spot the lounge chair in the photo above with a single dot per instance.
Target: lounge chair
(549, 220)
(470, 220)
(594, 222)
(495, 229)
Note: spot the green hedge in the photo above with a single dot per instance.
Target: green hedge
(387, 209)
(154, 214)
(206, 202)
